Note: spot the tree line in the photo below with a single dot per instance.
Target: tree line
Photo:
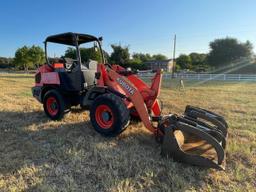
(222, 52)
(120, 55)
(25, 58)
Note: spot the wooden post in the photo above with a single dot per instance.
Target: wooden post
(173, 57)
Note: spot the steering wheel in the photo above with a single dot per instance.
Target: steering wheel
(127, 72)
(69, 63)
(108, 65)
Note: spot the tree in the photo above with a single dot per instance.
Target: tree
(225, 51)
(27, 57)
(90, 53)
(248, 48)
(6, 62)
(159, 57)
(22, 59)
(86, 54)
(120, 55)
(198, 61)
(147, 57)
(70, 53)
(141, 57)
(36, 55)
(184, 61)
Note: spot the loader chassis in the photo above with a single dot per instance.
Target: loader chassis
(115, 95)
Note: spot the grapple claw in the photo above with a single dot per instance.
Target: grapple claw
(213, 131)
(204, 117)
(189, 142)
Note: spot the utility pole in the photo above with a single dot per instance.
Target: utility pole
(173, 57)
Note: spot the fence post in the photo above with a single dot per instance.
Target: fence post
(198, 76)
(239, 77)
(224, 77)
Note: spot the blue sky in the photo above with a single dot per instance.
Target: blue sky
(144, 25)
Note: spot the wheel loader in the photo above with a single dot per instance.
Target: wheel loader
(114, 94)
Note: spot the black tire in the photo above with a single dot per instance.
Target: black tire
(135, 119)
(117, 109)
(59, 104)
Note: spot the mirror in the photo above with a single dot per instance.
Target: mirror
(95, 46)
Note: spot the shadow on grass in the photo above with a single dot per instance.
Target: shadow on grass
(73, 156)
(25, 76)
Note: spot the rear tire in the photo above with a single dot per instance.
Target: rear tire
(54, 105)
(109, 115)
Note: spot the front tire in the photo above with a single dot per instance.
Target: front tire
(54, 105)
(109, 115)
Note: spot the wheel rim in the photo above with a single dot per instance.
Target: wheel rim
(52, 106)
(104, 116)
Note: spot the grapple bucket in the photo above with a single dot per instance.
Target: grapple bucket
(198, 138)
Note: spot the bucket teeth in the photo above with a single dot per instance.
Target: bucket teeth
(190, 140)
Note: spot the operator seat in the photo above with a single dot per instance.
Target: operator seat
(89, 72)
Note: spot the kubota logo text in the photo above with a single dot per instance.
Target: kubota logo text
(125, 85)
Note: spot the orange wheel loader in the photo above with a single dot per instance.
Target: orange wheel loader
(113, 94)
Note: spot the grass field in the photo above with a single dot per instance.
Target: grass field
(37, 154)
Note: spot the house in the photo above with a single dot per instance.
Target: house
(166, 65)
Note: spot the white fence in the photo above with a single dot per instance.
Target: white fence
(207, 76)
(194, 76)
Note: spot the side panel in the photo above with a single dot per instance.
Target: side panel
(50, 78)
(71, 81)
(47, 78)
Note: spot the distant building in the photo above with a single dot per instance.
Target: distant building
(166, 65)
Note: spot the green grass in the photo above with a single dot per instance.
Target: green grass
(42, 155)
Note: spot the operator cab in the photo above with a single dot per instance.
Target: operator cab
(77, 62)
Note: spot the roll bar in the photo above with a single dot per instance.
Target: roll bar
(73, 39)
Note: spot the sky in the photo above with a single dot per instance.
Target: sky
(146, 26)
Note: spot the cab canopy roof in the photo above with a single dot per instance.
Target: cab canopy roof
(69, 38)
